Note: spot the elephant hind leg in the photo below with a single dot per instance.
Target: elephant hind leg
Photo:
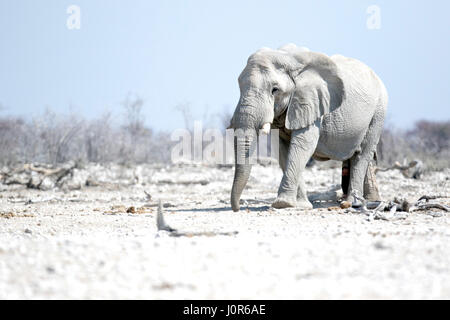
(345, 178)
(371, 192)
(360, 168)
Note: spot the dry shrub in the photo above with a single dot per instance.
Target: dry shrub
(428, 141)
(56, 138)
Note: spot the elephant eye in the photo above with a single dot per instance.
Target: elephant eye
(275, 90)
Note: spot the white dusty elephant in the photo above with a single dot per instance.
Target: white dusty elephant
(325, 108)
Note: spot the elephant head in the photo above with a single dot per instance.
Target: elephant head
(303, 84)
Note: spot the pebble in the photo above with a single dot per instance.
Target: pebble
(345, 204)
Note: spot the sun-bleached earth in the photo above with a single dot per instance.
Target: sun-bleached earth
(101, 241)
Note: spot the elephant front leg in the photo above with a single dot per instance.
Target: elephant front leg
(292, 191)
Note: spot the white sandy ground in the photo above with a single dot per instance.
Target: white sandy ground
(83, 249)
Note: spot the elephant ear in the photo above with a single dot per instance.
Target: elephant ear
(319, 90)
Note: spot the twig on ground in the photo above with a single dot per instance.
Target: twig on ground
(377, 212)
(426, 206)
(149, 196)
(24, 175)
(33, 201)
(398, 209)
(426, 198)
(413, 170)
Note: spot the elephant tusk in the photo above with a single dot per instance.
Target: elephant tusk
(266, 128)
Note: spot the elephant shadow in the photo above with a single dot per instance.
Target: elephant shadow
(225, 209)
(319, 200)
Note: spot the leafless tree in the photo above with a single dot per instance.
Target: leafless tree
(185, 110)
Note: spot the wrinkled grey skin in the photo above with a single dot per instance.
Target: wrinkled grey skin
(325, 107)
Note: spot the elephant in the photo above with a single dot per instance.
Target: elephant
(325, 108)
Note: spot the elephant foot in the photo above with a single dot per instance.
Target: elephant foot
(282, 202)
(304, 204)
(372, 196)
(356, 203)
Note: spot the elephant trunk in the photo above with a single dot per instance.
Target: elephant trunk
(242, 169)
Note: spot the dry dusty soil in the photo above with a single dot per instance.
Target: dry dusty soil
(87, 243)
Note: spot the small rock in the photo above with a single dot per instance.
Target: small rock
(333, 208)
(50, 269)
(28, 231)
(380, 245)
(46, 184)
(345, 204)
(131, 210)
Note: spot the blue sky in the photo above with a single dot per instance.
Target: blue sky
(172, 52)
